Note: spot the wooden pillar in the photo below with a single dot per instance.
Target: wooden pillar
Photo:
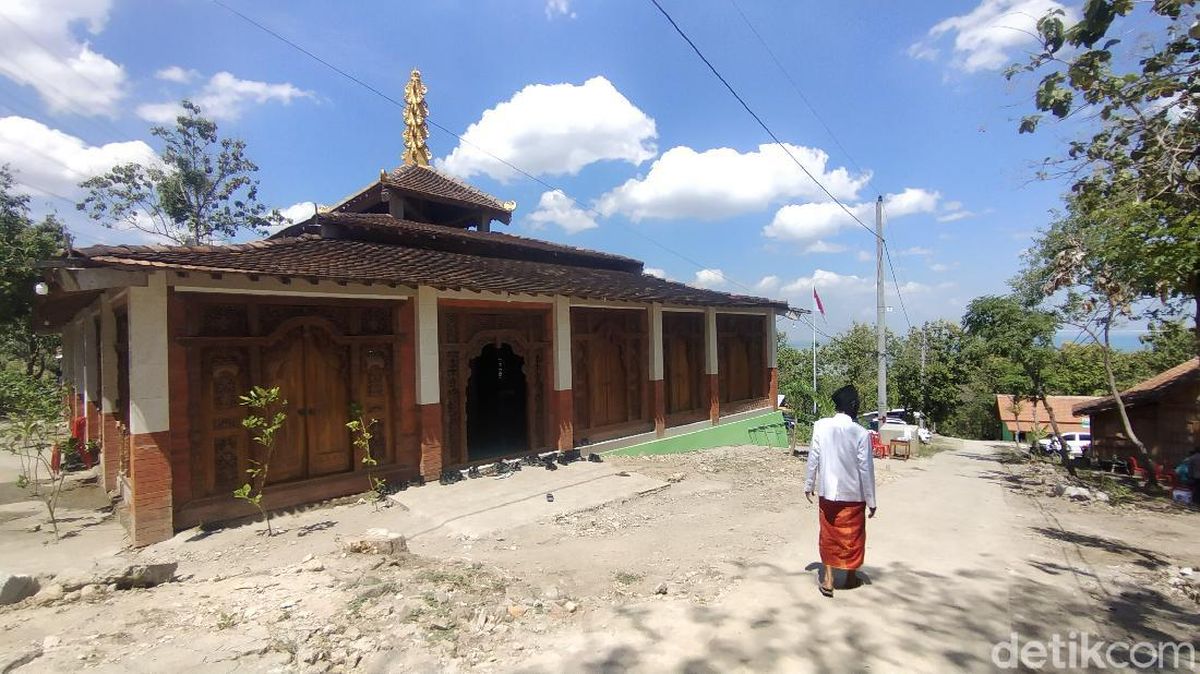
(564, 395)
(110, 434)
(151, 502)
(658, 392)
(710, 365)
(428, 382)
(771, 349)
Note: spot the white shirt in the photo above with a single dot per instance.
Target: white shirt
(840, 463)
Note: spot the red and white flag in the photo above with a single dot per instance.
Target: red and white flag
(817, 302)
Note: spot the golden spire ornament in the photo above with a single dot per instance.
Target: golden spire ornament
(416, 133)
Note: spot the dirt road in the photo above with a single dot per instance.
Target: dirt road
(714, 573)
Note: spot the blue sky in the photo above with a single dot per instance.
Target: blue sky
(599, 98)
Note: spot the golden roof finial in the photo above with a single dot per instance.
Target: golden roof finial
(416, 133)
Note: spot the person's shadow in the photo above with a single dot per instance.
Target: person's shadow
(839, 577)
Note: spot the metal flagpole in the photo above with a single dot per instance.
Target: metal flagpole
(814, 347)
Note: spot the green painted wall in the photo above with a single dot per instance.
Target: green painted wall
(745, 432)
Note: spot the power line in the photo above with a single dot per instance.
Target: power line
(787, 75)
(586, 209)
(758, 119)
(895, 281)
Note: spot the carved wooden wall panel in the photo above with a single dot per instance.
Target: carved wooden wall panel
(323, 354)
(609, 374)
(463, 333)
(741, 357)
(683, 362)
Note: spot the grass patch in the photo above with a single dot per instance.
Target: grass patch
(627, 577)
(936, 446)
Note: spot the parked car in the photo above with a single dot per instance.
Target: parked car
(1078, 444)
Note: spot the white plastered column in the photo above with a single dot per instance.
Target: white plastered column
(428, 371)
(108, 358)
(79, 357)
(149, 396)
(91, 352)
(656, 342)
(562, 344)
(772, 344)
(710, 341)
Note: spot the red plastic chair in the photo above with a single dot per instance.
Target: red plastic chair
(1163, 475)
(880, 450)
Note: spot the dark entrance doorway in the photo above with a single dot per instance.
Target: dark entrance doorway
(497, 423)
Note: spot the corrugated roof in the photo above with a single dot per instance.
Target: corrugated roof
(1147, 391)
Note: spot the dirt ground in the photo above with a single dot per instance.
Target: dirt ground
(716, 572)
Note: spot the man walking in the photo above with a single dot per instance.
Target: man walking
(841, 471)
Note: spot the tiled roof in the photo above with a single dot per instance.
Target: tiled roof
(430, 181)
(1147, 391)
(341, 259)
(1026, 414)
(456, 240)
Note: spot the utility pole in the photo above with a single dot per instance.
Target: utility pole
(880, 320)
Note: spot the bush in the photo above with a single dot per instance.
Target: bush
(22, 394)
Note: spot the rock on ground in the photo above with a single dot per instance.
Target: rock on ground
(15, 587)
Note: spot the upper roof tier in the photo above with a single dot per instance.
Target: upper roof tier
(425, 194)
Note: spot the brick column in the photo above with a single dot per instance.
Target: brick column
(151, 502)
(710, 365)
(110, 434)
(428, 382)
(563, 401)
(658, 391)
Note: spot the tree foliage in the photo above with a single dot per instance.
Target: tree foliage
(23, 243)
(200, 189)
(1134, 210)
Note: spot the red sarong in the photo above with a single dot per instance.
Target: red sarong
(843, 533)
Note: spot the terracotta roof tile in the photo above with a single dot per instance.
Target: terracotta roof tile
(1146, 391)
(430, 181)
(310, 256)
(453, 239)
(1027, 414)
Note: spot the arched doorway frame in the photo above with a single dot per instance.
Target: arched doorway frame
(474, 349)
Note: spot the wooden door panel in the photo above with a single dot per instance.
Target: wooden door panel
(283, 366)
(327, 382)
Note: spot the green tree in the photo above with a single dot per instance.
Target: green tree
(200, 189)
(932, 388)
(1135, 176)
(1169, 344)
(1023, 335)
(23, 243)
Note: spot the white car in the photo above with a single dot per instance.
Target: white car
(1078, 444)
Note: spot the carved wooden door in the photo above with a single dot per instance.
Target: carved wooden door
(327, 402)
(283, 366)
(679, 376)
(608, 384)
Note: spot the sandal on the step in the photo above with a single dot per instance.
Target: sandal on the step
(827, 591)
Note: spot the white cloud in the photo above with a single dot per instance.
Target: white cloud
(47, 160)
(554, 129)
(39, 48)
(864, 256)
(556, 8)
(849, 297)
(822, 219)
(177, 74)
(656, 272)
(709, 278)
(768, 284)
(225, 96)
(915, 251)
(556, 208)
(954, 216)
(299, 212)
(824, 247)
(987, 37)
(723, 182)
(940, 267)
